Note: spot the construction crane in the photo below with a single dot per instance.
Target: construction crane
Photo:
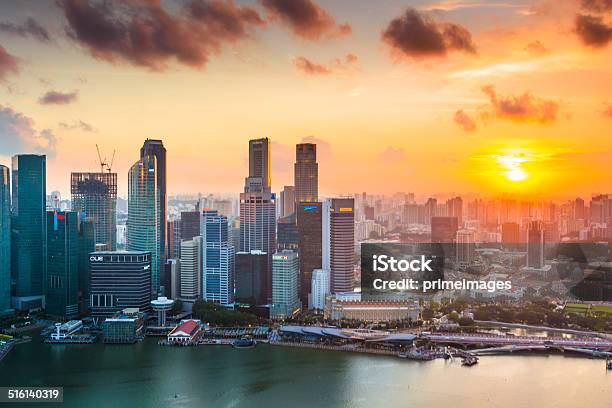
(104, 163)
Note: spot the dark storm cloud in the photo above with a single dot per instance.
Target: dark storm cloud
(593, 30)
(30, 27)
(58, 98)
(306, 18)
(597, 6)
(416, 35)
(143, 33)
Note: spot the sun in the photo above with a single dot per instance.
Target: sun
(512, 166)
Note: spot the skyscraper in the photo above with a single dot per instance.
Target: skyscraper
(511, 233)
(306, 173)
(87, 245)
(251, 270)
(258, 207)
(143, 214)
(465, 247)
(174, 238)
(443, 229)
(535, 245)
(191, 269)
(190, 224)
(341, 244)
(310, 234)
(320, 289)
(95, 195)
(152, 147)
(28, 230)
(287, 201)
(285, 297)
(62, 279)
(259, 166)
(217, 259)
(5, 239)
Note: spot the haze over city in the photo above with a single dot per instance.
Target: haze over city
(491, 97)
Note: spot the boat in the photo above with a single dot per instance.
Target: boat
(609, 364)
(469, 361)
(244, 342)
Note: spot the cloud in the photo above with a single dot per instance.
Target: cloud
(143, 33)
(18, 135)
(310, 67)
(392, 155)
(464, 121)
(30, 27)
(608, 111)
(536, 48)
(8, 64)
(58, 98)
(306, 19)
(416, 35)
(593, 30)
(77, 124)
(597, 6)
(522, 108)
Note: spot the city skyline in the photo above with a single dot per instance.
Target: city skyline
(509, 108)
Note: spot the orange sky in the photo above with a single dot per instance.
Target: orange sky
(432, 97)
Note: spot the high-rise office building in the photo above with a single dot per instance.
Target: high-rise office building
(251, 270)
(95, 195)
(306, 173)
(5, 239)
(87, 245)
(285, 297)
(171, 278)
(190, 224)
(320, 289)
(259, 166)
(28, 230)
(310, 234)
(217, 259)
(444, 229)
(454, 208)
(174, 239)
(287, 201)
(152, 147)
(341, 244)
(511, 233)
(287, 233)
(191, 269)
(465, 247)
(143, 214)
(62, 279)
(119, 280)
(535, 245)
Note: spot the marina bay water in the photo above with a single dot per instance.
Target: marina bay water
(146, 375)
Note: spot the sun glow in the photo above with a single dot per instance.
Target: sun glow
(513, 167)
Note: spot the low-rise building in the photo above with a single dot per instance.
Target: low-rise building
(125, 327)
(371, 310)
(186, 333)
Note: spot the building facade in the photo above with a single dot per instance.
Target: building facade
(191, 267)
(217, 259)
(28, 230)
(320, 289)
(143, 214)
(5, 239)
(119, 280)
(155, 148)
(341, 244)
(285, 273)
(95, 195)
(251, 271)
(310, 235)
(306, 173)
(62, 279)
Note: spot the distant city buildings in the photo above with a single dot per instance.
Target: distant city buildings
(443, 229)
(535, 245)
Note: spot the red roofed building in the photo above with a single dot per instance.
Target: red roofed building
(187, 332)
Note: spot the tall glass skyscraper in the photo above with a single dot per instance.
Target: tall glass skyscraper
(87, 245)
(217, 259)
(143, 232)
(285, 297)
(28, 230)
(152, 147)
(95, 195)
(62, 279)
(306, 173)
(5, 239)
